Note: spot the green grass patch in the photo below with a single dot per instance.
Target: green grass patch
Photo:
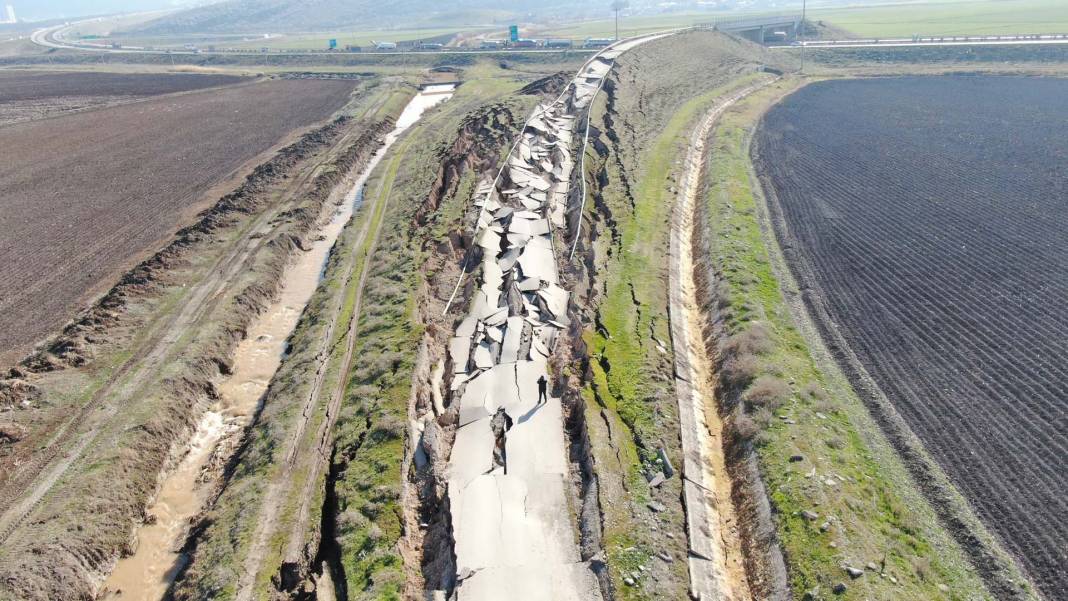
(951, 17)
(635, 304)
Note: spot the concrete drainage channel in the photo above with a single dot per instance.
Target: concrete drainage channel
(717, 565)
(148, 573)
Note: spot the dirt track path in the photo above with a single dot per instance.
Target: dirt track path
(274, 499)
(716, 558)
(28, 487)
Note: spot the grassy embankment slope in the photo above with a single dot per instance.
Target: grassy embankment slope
(818, 448)
(224, 536)
(642, 126)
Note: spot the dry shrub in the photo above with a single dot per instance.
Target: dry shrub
(364, 392)
(762, 418)
(825, 406)
(922, 566)
(835, 443)
(755, 340)
(814, 392)
(738, 371)
(767, 392)
(723, 296)
(745, 427)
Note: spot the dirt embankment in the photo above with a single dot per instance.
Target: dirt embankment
(762, 557)
(74, 535)
(724, 487)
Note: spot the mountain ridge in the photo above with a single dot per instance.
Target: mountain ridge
(252, 16)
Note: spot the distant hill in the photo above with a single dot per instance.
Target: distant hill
(39, 10)
(287, 16)
(262, 16)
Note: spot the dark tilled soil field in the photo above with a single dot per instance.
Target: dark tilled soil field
(34, 85)
(84, 196)
(925, 220)
(27, 95)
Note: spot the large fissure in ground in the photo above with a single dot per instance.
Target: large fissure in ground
(434, 403)
(435, 227)
(526, 513)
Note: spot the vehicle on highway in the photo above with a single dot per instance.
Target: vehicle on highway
(598, 42)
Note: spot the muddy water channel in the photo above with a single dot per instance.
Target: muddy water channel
(147, 574)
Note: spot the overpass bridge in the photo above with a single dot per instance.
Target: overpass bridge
(762, 30)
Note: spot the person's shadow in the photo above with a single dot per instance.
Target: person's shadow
(529, 414)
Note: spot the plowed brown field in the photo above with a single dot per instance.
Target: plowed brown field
(84, 196)
(28, 95)
(34, 85)
(924, 219)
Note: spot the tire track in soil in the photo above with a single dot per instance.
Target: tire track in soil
(717, 563)
(273, 499)
(137, 371)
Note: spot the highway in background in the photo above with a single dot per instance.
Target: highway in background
(51, 37)
(48, 38)
(957, 40)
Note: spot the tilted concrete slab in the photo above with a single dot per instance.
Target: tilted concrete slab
(512, 339)
(555, 299)
(537, 260)
(473, 452)
(460, 352)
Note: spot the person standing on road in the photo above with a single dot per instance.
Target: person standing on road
(542, 387)
(501, 423)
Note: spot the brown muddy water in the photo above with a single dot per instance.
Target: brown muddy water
(148, 573)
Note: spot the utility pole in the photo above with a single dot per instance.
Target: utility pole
(804, 5)
(617, 6)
